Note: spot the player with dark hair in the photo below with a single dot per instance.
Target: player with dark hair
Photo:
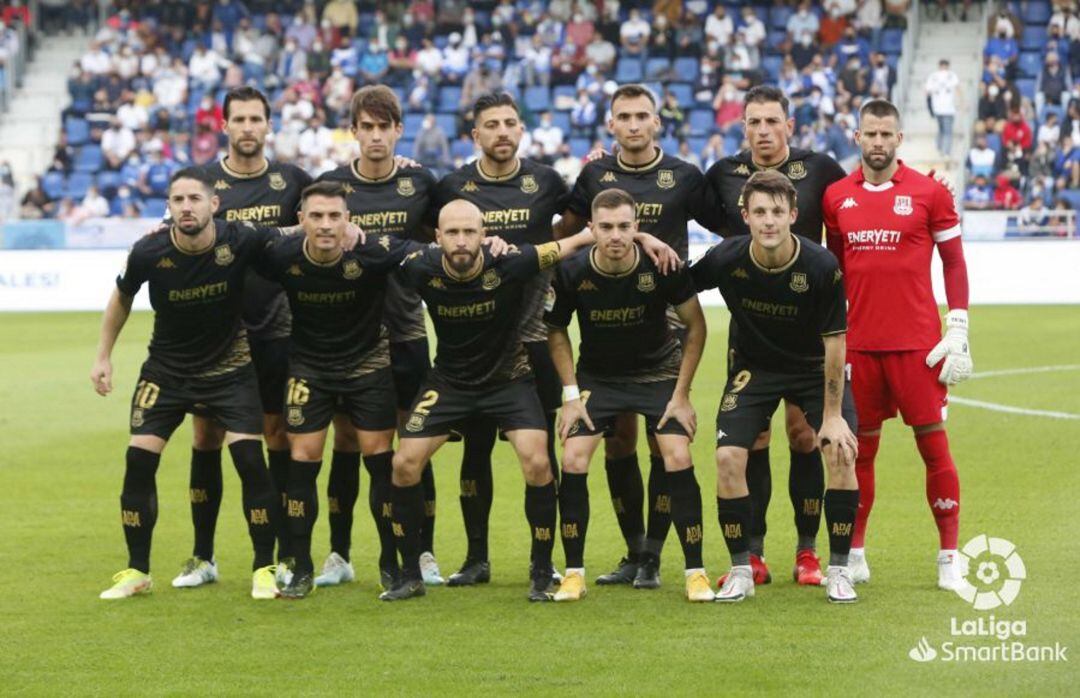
(199, 362)
(884, 222)
(630, 361)
(786, 297)
(251, 189)
(384, 197)
(481, 369)
(768, 129)
(669, 192)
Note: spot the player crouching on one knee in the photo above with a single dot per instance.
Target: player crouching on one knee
(786, 297)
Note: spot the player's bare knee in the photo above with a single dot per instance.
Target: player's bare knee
(678, 459)
(801, 438)
(730, 468)
(575, 461)
(536, 467)
(274, 432)
(406, 469)
(762, 440)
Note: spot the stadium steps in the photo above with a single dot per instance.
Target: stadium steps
(29, 131)
(961, 43)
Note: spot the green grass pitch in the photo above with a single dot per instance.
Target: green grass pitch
(61, 465)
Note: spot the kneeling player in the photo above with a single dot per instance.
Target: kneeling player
(630, 361)
(481, 370)
(339, 356)
(786, 297)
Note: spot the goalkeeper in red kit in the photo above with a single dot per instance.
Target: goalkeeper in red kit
(883, 222)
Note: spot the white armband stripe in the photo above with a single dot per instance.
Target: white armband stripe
(947, 234)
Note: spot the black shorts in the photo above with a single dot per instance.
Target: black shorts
(271, 359)
(606, 399)
(232, 400)
(310, 401)
(441, 409)
(548, 385)
(410, 363)
(751, 396)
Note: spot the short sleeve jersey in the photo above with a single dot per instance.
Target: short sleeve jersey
(781, 314)
(196, 298)
(625, 334)
(885, 236)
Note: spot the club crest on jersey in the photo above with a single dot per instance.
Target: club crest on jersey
(221, 185)
(347, 188)
(665, 179)
(295, 416)
(416, 422)
(137, 419)
(646, 282)
(223, 255)
(405, 186)
(491, 280)
(729, 402)
(351, 269)
(796, 170)
(436, 282)
(469, 186)
(742, 171)
(902, 206)
(529, 185)
(277, 182)
(799, 284)
(608, 178)
(294, 270)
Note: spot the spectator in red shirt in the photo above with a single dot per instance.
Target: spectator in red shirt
(210, 114)
(1017, 131)
(1006, 196)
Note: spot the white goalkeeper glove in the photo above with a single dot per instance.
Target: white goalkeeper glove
(954, 349)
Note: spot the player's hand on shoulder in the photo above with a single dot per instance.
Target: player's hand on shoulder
(402, 161)
(837, 441)
(497, 246)
(663, 256)
(353, 236)
(953, 351)
(101, 376)
(572, 412)
(595, 154)
(682, 411)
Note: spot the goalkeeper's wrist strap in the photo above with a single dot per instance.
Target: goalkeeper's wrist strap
(570, 392)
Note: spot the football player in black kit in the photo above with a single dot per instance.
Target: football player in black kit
(786, 297)
(768, 128)
(630, 361)
(481, 370)
(199, 362)
(669, 192)
(255, 190)
(384, 198)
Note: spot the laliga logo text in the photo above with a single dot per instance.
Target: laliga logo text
(993, 572)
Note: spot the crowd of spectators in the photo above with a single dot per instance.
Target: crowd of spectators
(145, 95)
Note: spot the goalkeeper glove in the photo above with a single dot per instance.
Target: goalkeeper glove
(953, 348)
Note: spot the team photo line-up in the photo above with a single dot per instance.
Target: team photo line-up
(283, 305)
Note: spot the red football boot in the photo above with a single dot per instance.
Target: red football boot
(807, 569)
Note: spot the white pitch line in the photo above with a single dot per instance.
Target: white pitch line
(1021, 371)
(1011, 410)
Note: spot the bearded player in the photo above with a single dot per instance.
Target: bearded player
(884, 221)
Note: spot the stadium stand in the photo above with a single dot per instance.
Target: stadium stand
(143, 94)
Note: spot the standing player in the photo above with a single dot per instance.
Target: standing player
(199, 362)
(768, 130)
(255, 190)
(786, 295)
(384, 198)
(481, 369)
(339, 353)
(669, 192)
(884, 221)
(631, 361)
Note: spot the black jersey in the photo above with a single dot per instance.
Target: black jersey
(399, 204)
(518, 207)
(477, 320)
(668, 192)
(337, 307)
(780, 314)
(196, 297)
(269, 197)
(623, 318)
(810, 172)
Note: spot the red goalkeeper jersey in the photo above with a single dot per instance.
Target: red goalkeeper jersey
(884, 237)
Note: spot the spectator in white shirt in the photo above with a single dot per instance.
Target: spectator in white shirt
(719, 27)
(131, 116)
(601, 52)
(754, 31)
(96, 61)
(117, 143)
(429, 60)
(943, 87)
(537, 63)
(803, 24)
(315, 142)
(868, 16)
(455, 59)
(1050, 131)
(1067, 19)
(170, 85)
(568, 166)
(205, 67)
(94, 205)
(548, 135)
(982, 158)
(634, 33)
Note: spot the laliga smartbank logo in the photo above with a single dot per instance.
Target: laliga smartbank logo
(993, 573)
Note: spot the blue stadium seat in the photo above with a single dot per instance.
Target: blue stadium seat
(108, 181)
(697, 144)
(53, 184)
(683, 92)
(562, 120)
(1055, 109)
(657, 88)
(1030, 64)
(774, 40)
(449, 99)
(537, 98)
(628, 69)
(1036, 12)
(154, 208)
(772, 66)
(405, 145)
(669, 145)
(1033, 39)
(686, 68)
(657, 67)
(462, 148)
(732, 145)
(448, 123)
(563, 93)
(778, 16)
(579, 147)
(76, 185)
(89, 158)
(412, 124)
(1072, 196)
(1026, 87)
(892, 40)
(701, 121)
(78, 131)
